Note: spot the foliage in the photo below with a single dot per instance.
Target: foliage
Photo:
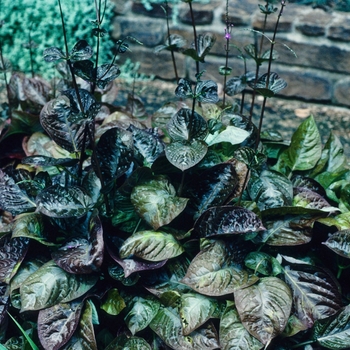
(185, 229)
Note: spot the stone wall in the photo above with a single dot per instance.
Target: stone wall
(320, 71)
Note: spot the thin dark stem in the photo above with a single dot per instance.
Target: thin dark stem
(171, 51)
(302, 344)
(194, 35)
(6, 82)
(30, 50)
(179, 192)
(283, 4)
(243, 187)
(242, 101)
(98, 19)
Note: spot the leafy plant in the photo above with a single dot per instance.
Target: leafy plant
(191, 229)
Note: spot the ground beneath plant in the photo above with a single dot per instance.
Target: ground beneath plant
(282, 115)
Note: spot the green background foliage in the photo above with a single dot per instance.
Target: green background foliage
(41, 19)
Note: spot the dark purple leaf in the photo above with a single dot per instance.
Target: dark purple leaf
(227, 220)
(80, 255)
(184, 89)
(130, 266)
(207, 91)
(339, 242)
(12, 252)
(81, 51)
(57, 324)
(53, 54)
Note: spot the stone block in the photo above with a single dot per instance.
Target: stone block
(340, 29)
(203, 14)
(121, 7)
(155, 10)
(239, 12)
(341, 94)
(159, 65)
(306, 85)
(150, 32)
(314, 22)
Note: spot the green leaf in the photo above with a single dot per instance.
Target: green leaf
(168, 327)
(57, 324)
(114, 303)
(270, 189)
(30, 226)
(264, 308)
(186, 155)
(204, 44)
(26, 336)
(211, 272)
(142, 312)
(341, 221)
(231, 134)
(123, 342)
(86, 331)
(304, 151)
(151, 246)
(53, 54)
(50, 285)
(195, 310)
(156, 202)
(334, 332)
(315, 292)
(263, 263)
(80, 51)
(269, 85)
(206, 91)
(233, 335)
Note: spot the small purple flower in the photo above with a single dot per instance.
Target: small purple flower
(227, 36)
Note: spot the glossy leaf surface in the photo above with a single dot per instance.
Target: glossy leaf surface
(57, 324)
(339, 242)
(50, 285)
(212, 273)
(233, 335)
(151, 246)
(315, 293)
(63, 202)
(226, 220)
(156, 202)
(264, 308)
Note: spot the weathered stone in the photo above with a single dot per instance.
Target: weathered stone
(155, 10)
(121, 6)
(341, 92)
(239, 13)
(313, 22)
(149, 32)
(203, 14)
(340, 29)
(306, 85)
(159, 65)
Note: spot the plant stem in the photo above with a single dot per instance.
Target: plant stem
(6, 82)
(302, 344)
(227, 50)
(171, 51)
(283, 4)
(194, 35)
(179, 191)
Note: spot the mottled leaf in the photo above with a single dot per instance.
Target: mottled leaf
(203, 46)
(315, 292)
(186, 125)
(123, 342)
(339, 242)
(186, 155)
(80, 255)
(57, 324)
(156, 202)
(12, 198)
(195, 310)
(264, 308)
(49, 161)
(233, 335)
(141, 313)
(269, 85)
(53, 54)
(206, 91)
(212, 273)
(86, 328)
(63, 202)
(151, 246)
(80, 51)
(334, 332)
(114, 153)
(270, 189)
(167, 325)
(68, 118)
(227, 220)
(50, 285)
(236, 85)
(12, 253)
